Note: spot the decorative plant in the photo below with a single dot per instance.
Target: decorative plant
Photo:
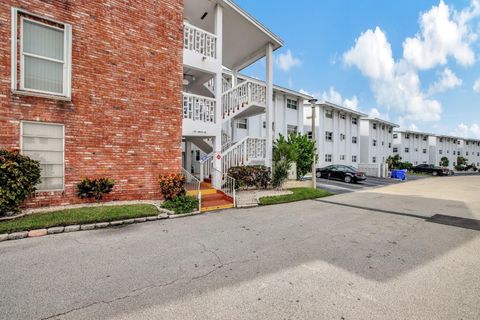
(94, 188)
(251, 176)
(283, 157)
(393, 162)
(19, 176)
(172, 186)
(181, 204)
(444, 162)
(304, 149)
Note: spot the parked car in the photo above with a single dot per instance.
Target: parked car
(341, 172)
(431, 169)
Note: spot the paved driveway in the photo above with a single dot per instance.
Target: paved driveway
(372, 254)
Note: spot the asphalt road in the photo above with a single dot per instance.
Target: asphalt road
(372, 254)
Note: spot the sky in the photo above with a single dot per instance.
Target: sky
(415, 63)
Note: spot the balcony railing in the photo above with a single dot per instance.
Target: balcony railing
(243, 95)
(198, 108)
(200, 41)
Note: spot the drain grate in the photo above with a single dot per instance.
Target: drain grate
(455, 221)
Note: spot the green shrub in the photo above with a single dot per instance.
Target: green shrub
(304, 149)
(251, 176)
(19, 176)
(405, 166)
(94, 188)
(284, 154)
(444, 162)
(181, 204)
(172, 186)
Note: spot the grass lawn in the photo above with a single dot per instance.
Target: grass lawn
(77, 216)
(297, 195)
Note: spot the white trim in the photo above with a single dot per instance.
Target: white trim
(66, 62)
(63, 149)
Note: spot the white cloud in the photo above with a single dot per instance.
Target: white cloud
(444, 32)
(286, 61)
(476, 86)
(374, 113)
(335, 97)
(447, 80)
(372, 54)
(467, 131)
(395, 84)
(413, 127)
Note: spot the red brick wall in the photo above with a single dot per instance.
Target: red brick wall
(125, 117)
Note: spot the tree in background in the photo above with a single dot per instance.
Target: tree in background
(444, 162)
(393, 161)
(283, 156)
(304, 149)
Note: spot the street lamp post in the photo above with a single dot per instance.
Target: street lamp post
(313, 103)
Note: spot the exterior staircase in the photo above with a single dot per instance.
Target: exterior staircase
(213, 199)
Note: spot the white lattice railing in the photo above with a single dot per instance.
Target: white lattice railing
(226, 85)
(198, 108)
(200, 41)
(244, 152)
(242, 96)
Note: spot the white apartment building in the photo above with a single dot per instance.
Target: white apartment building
(472, 151)
(337, 132)
(219, 36)
(376, 140)
(413, 146)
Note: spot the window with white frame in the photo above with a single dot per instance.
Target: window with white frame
(291, 129)
(43, 65)
(374, 159)
(407, 150)
(329, 136)
(395, 150)
(328, 158)
(329, 114)
(342, 157)
(354, 159)
(44, 142)
(354, 140)
(310, 135)
(342, 136)
(242, 123)
(424, 151)
(374, 126)
(389, 145)
(441, 151)
(407, 136)
(292, 104)
(343, 116)
(374, 142)
(395, 136)
(354, 120)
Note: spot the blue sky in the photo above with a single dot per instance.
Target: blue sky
(411, 62)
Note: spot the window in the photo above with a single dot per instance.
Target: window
(242, 123)
(264, 124)
(383, 143)
(292, 104)
(383, 127)
(310, 135)
(448, 151)
(45, 55)
(342, 157)
(407, 150)
(389, 145)
(424, 151)
(416, 149)
(416, 136)
(407, 136)
(354, 121)
(354, 159)
(466, 154)
(374, 126)
(454, 152)
(374, 159)
(342, 136)
(354, 139)
(328, 158)
(45, 143)
(328, 136)
(395, 136)
(395, 150)
(389, 130)
(197, 155)
(291, 129)
(374, 143)
(329, 114)
(343, 116)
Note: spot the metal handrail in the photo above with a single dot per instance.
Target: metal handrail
(225, 183)
(192, 183)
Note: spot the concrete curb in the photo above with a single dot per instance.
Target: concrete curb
(86, 227)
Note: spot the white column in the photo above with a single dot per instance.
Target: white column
(188, 155)
(217, 140)
(300, 116)
(269, 108)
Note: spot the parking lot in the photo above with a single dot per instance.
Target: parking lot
(339, 187)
